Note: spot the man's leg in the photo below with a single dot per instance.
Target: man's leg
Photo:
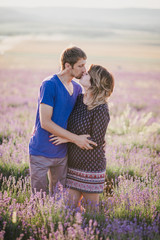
(38, 172)
(57, 173)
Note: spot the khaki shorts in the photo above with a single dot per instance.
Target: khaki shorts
(40, 166)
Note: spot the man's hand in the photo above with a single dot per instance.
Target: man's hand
(83, 142)
(57, 140)
(47, 124)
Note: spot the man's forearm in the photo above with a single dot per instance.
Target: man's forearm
(81, 141)
(56, 130)
(47, 124)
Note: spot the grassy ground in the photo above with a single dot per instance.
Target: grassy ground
(130, 204)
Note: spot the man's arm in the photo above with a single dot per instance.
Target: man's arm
(45, 112)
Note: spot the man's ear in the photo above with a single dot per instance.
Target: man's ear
(67, 66)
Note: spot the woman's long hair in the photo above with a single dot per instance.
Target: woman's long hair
(102, 84)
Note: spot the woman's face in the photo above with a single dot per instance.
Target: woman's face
(85, 80)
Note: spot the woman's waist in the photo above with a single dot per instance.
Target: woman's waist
(99, 147)
(97, 152)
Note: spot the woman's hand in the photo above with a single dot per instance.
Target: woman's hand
(57, 140)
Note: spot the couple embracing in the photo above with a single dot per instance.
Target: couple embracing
(69, 136)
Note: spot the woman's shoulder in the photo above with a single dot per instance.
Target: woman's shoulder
(79, 100)
(102, 107)
(80, 97)
(102, 112)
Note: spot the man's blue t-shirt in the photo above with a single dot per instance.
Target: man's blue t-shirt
(54, 94)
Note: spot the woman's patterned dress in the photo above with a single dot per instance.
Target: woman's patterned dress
(86, 168)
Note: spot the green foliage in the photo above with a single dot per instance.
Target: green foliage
(14, 169)
(4, 137)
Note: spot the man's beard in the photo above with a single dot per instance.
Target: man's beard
(79, 76)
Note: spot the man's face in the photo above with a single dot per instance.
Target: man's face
(78, 68)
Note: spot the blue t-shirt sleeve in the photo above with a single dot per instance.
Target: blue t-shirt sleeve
(47, 93)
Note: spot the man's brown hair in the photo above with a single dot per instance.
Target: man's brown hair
(72, 55)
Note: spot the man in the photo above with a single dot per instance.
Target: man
(57, 98)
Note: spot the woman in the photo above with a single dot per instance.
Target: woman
(86, 168)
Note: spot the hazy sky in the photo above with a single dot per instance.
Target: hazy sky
(83, 3)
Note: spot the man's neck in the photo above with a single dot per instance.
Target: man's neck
(64, 77)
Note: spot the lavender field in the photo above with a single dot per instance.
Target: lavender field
(130, 204)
